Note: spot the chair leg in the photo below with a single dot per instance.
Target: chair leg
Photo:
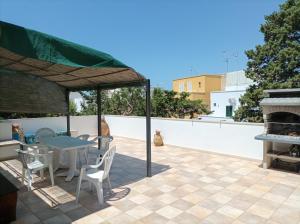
(42, 174)
(100, 193)
(109, 185)
(29, 180)
(78, 188)
(86, 156)
(23, 175)
(90, 186)
(51, 175)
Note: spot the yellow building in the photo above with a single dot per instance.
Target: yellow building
(199, 86)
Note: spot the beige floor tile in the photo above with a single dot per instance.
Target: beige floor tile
(139, 212)
(186, 218)
(292, 203)
(199, 211)
(195, 197)
(140, 199)
(167, 198)
(274, 197)
(221, 198)
(188, 188)
(260, 211)
(121, 219)
(154, 218)
(238, 222)
(249, 218)
(207, 179)
(169, 212)
(154, 205)
(141, 188)
(236, 187)
(286, 214)
(217, 218)
(182, 205)
(89, 219)
(230, 211)
(107, 213)
(210, 204)
(212, 188)
(228, 179)
(166, 188)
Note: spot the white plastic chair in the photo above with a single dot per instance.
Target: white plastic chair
(83, 151)
(104, 146)
(43, 133)
(96, 176)
(33, 160)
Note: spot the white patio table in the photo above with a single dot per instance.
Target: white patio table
(71, 145)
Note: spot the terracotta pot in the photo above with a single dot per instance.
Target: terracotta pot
(105, 131)
(157, 139)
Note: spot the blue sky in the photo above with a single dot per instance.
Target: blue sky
(163, 40)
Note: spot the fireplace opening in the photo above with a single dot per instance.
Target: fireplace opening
(284, 123)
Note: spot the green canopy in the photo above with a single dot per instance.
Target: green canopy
(36, 69)
(68, 64)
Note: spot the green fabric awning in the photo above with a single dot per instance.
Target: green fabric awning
(70, 65)
(36, 69)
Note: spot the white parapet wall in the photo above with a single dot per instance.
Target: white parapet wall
(231, 138)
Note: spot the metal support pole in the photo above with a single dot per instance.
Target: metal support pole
(148, 127)
(99, 114)
(68, 112)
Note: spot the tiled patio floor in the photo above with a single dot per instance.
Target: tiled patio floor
(188, 186)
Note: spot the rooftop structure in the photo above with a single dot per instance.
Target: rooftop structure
(199, 87)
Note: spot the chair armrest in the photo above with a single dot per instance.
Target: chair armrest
(84, 167)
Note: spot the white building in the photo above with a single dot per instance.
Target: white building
(225, 102)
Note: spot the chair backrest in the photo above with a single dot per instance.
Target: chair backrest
(104, 142)
(107, 160)
(44, 133)
(30, 153)
(24, 157)
(83, 137)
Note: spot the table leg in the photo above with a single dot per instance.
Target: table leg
(72, 166)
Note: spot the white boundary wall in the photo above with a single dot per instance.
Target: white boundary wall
(230, 138)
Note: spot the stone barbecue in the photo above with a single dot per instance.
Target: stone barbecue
(281, 111)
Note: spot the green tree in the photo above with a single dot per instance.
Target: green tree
(128, 101)
(167, 103)
(131, 101)
(73, 108)
(89, 106)
(276, 63)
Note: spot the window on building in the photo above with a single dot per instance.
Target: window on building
(199, 84)
(189, 86)
(229, 110)
(181, 87)
(215, 104)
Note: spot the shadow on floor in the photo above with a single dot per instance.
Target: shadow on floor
(59, 198)
(127, 170)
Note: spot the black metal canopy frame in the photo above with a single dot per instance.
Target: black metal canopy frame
(147, 86)
(38, 71)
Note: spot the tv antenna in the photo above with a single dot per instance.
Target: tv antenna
(228, 57)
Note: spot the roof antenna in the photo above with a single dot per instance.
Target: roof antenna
(226, 58)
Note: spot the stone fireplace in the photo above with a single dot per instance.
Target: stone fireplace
(281, 111)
